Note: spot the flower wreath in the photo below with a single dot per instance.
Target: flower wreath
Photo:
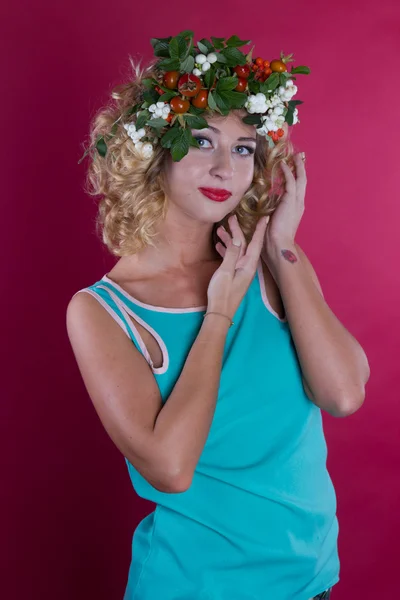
(192, 79)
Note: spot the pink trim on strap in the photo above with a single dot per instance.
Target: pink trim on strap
(125, 309)
(133, 329)
(264, 293)
(151, 306)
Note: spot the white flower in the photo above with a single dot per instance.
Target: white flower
(200, 59)
(256, 103)
(287, 92)
(277, 110)
(196, 72)
(147, 150)
(160, 109)
(133, 134)
(212, 57)
(295, 116)
(205, 66)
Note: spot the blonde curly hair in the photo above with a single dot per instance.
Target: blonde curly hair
(131, 189)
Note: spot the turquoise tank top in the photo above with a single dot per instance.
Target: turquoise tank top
(259, 519)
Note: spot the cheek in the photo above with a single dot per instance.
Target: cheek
(244, 174)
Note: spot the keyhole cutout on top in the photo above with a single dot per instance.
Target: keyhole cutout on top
(152, 345)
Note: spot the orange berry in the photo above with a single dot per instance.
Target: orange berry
(266, 63)
(280, 132)
(259, 61)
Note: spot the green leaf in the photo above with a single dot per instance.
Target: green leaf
(195, 121)
(180, 145)
(177, 48)
(151, 96)
(294, 102)
(227, 83)
(212, 103)
(270, 84)
(187, 33)
(101, 146)
(289, 116)
(222, 102)
(114, 128)
(254, 86)
(169, 64)
(161, 47)
(209, 77)
(234, 41)
(221, 58)
(193, 142)
(218, 42)
(132, 110)
(169, 137)
(233, 56)
(196, 111)
(234, 99)
(249, 55)
(271, 143)
(142, 117)
(301, 70)
(168, 96)
(252, 119)
(157, 123)
(205, 46)
(187, 65)
(148, 82)
(155, 41)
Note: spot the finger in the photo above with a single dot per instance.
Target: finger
(220, 249)
(237, 230)
(300, 171)
(237, 234)
(232, 253)
(257, 241)
(223, 234)
(289, 178)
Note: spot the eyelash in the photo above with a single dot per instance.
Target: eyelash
(249, 148)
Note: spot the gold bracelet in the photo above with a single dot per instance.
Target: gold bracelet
(218, 313)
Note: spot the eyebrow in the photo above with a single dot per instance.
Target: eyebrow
(241, 139)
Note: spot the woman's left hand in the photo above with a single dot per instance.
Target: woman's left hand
(285, 221)
(283, 224)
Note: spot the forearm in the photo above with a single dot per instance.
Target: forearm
(183, 424)
(333, 363)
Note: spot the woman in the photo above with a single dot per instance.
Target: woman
(219, 422)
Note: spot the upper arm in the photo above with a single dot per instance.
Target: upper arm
(313, 275)
(120, 384)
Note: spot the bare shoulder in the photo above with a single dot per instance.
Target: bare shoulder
(121, 386)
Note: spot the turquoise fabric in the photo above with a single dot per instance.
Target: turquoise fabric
(259, 520)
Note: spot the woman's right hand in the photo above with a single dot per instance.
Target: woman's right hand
(231, 280)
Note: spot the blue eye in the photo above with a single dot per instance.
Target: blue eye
(249, 149)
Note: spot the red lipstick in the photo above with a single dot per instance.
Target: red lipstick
(216, 194)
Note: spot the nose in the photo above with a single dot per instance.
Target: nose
(222, 163)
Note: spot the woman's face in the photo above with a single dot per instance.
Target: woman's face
(225, 160)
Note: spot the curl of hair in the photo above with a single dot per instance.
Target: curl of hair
(131, 189)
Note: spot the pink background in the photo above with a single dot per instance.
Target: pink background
(67, 507)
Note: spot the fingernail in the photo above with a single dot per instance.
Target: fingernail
(236, 242)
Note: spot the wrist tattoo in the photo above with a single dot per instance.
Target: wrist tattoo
(289, 256)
